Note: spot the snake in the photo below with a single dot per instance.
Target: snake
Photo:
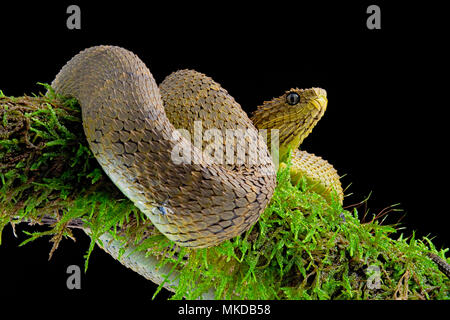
(141, 135)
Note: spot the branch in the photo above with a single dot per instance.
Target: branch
(301, 247)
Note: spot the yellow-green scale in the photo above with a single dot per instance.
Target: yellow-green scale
(294, 115)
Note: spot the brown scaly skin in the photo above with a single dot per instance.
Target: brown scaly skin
(185, 95)
(130, 125)
(202, 204)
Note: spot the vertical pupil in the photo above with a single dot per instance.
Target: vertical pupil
(292, 98)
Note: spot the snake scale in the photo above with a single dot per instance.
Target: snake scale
(130, 124)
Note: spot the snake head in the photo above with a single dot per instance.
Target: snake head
(294, 114)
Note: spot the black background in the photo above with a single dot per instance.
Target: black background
(385, 126)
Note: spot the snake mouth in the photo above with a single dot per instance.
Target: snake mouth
(317, 117)
(320, 104)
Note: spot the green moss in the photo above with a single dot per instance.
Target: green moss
(304, 248)
(47, 169)
(301, 248)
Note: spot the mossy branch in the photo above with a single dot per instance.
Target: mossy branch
(301, 248)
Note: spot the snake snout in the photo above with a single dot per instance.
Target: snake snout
(316, 98)
(320, 103)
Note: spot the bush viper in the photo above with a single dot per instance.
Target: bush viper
(130, 124)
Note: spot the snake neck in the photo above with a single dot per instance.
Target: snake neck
(290, 118)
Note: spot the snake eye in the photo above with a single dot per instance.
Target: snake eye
(292, 98)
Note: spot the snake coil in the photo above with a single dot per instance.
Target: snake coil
(132, 138)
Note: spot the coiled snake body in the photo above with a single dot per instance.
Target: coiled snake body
(131, 130)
